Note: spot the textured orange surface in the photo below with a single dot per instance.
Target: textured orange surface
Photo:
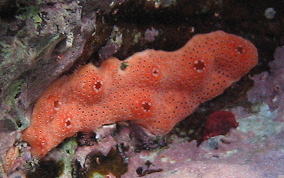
(156, 89)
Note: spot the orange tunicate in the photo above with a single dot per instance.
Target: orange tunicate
(155, 89)
(10, 159)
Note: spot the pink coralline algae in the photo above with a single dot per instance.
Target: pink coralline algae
(268, 87)
(155, 89)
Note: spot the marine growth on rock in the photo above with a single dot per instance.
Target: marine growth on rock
(219, 123)
(155, 89)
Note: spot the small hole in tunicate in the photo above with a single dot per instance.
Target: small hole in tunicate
(199, 65)
(98, 85)
(56, 104)
(68, 123)
(146, 106)
(239, 49)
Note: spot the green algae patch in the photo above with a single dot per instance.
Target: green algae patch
(57, 164)
(47, 169)
(14, 90)
(104, 165)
